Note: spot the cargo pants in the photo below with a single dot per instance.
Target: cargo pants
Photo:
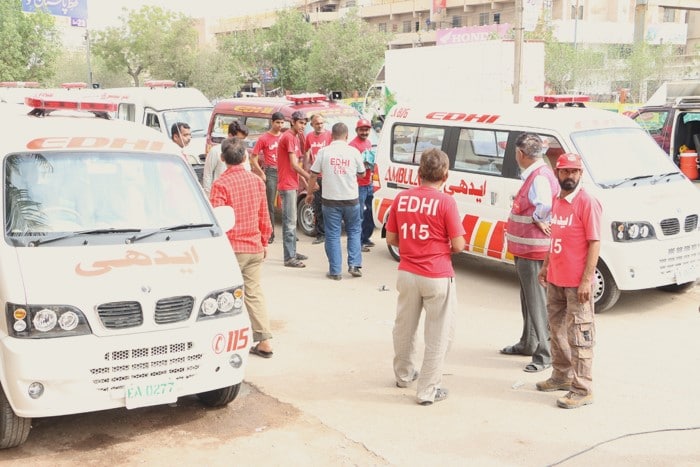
(572, 332)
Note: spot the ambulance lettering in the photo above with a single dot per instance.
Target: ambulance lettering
(402, 176)
(90, 142)
(252, 109)
(462, 117)
(230, 341)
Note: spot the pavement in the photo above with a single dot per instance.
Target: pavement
(333, 363)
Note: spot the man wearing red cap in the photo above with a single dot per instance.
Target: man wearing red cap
(362, 143)
(567, 273)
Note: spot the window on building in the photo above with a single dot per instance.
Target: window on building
(382, 27)
(483, 19)
(669, 15)
(407, 26)
(456, 21)
(496, 18)
(417, 26)
(394, 27)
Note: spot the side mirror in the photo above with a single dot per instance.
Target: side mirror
(225, 217)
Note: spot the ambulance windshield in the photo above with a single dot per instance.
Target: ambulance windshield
(49, 193)
(616, 156)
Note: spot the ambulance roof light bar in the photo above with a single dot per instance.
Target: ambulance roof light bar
(309, 97)
(19, 84)
(160, 83)
(568, 100)
(77, 85)
(43, 106)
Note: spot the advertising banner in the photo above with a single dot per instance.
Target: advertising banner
(75, 9)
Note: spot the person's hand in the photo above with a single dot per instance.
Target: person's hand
(542, 277)
(584, 291)
(309, 198)
(544, 227)
(264, 252)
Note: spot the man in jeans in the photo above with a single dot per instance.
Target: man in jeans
(266, 146)
(315, 141)
(340, 165)
(289, 151)
(366, 191)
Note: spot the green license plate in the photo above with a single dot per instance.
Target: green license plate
(150, 392)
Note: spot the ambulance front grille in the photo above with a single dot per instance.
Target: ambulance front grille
(178, 361)
(672, 225)
(173, 309)
(678, 258)
(120, 315)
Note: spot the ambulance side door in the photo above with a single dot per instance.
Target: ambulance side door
(480, 184)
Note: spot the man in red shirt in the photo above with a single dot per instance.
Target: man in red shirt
(266, 168)
(425, 224)
(568, 272)
(289, 151)
(366, 191)
(245, 193)
(316, 140)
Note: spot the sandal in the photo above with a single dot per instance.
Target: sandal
(535, 367)
(294, 263)
(260, 353)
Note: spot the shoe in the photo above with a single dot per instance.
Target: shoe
(294, 263)
(335, 277)
(535, 367)
(550, 385)
(355, 271)
(301, 257)
(573, 400)
(404, 384)
(365, 249)
(271, 239)
(440, 395)
(512, 350)
(319, 239)
(369, 243)
(260, 353)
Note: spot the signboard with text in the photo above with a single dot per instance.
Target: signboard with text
(75, 9)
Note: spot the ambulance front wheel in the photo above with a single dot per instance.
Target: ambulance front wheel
(306, 217)
(605, 291)
(14, 430)
(394, 251)
(219, 397)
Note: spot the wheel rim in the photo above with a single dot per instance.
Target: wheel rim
(598, 285)
(306, 217)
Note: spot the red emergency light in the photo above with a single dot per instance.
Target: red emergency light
(54, 104)
(310, 98)
(78, 85)
(568, 100)
(19, 84)
(160, 83)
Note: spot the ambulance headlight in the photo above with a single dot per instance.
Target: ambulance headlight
(221, 303)
(45, 321)
(632, 231)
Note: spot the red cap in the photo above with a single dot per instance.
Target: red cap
(363, 123)
(569, 161)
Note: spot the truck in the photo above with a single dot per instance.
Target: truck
(479, 72)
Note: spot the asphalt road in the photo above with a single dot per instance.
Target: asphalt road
(327, 397)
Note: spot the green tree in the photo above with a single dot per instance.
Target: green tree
(149, 41)
(647, 64)
(30, 43)
(286, 49)
(242, 55)
(345, 55)
(215, 76)
(568, 67)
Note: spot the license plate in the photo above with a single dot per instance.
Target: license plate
(686, 274)
(150, 392)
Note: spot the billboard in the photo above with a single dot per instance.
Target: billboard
(75, 9)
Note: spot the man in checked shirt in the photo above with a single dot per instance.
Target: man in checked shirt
(245, 193)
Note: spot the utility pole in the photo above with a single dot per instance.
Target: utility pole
(87, 56)
(518, 47)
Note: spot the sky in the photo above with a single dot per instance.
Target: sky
(105, 13)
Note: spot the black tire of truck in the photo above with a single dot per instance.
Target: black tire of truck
(219, 397)
(14, 430)
(605, 291)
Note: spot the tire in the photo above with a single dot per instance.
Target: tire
(677, 288)
(14, 430)
(306, 218)
(605, 291)
(394, 252)
(219, 397)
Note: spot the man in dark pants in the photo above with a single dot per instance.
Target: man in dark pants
(528, 232)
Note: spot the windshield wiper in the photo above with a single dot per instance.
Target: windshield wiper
(628, 179)
(40, 241)
(171, 228)
(664, 175)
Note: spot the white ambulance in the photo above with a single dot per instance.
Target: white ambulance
(650, 209)
(160, 103)
(118, 283)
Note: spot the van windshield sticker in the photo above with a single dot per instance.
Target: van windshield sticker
(92, 142)
(136, 258)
